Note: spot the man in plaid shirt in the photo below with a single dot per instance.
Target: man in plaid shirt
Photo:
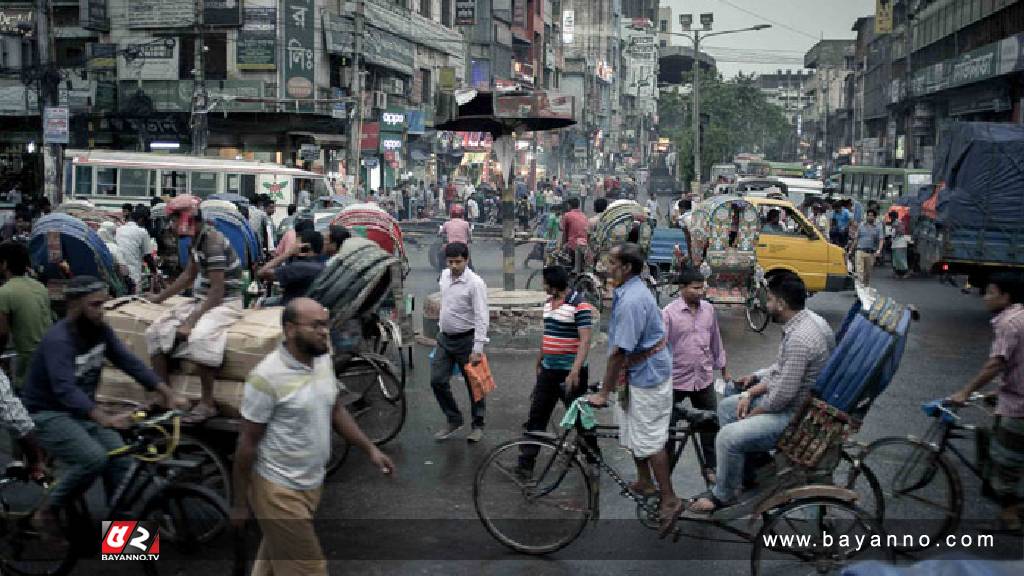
(753, 420)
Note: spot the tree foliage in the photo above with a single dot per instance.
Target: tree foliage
(738, 118)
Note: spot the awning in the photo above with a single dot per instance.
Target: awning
(321, 138)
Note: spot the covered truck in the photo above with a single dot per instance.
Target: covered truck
(973, 222)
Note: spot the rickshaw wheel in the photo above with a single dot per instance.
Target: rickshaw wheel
(757, 309)
(817, 534)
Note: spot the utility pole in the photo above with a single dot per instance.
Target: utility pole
(908, 79)
(696, 110)
(200, 98)
(827, 171)
(356, 88)
(49, 86)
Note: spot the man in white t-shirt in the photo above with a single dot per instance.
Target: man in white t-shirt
(289, 407)
(137, 247)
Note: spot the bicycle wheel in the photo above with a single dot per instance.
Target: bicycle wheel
(757, 310)
(536, 512)
(189, 515)
(393, 354)
(379, 404)
(212, 471)
(855, 476)
(339, 452)
(26, 552)
(922, 491)
(815, 536)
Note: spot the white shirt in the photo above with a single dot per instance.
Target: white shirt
(295, 401)
(134, 243)
(464, 306)
(472, 209)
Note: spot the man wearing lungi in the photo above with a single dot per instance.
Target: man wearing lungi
(197, 330)
(640, 366)
(1004, 468)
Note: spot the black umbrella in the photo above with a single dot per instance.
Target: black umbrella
(504, 114)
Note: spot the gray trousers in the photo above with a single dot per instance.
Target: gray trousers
(80, 445)
(453, 352)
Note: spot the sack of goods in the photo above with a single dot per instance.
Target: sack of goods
(355, 280)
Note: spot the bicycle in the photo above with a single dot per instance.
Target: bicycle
(918, 479)
(544, 509)
(188, 514)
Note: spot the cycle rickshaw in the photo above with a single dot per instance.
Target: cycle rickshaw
(812, 489)
(723, 234)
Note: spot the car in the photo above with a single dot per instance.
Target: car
(801, 248)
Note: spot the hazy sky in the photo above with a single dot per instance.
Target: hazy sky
(796, 26)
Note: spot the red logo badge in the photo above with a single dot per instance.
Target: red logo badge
(130, 540)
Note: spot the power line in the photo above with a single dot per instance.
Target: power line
(775, 22)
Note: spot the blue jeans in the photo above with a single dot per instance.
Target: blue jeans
(81, 446)
(738, 437)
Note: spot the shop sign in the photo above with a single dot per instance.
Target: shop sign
(309, 152)
(93, 15)
(299, 38)
(369, 138)
(56, 127)
(465, 12)
(151, 61)
(100, 57)
(393, 119)
(222, 13)
(568, 26)
(417, 121)
(390, 142)
(257, 39)
(446, 79)
(16, 20)
(161, 13)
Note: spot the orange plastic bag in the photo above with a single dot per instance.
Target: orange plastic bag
(481, 382)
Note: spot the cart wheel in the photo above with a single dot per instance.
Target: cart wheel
(819, 534)
(757, 309)
(339, 451)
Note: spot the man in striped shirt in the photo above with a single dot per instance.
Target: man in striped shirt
(562, 361)
(196, 330)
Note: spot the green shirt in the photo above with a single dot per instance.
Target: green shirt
(26, 303)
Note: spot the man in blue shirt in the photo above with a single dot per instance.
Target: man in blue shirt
(60, 394)
(640, 365)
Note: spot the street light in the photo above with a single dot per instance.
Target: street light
(706, 19)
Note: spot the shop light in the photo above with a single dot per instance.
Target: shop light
(164, 145)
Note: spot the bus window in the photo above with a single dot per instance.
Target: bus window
(83, 180)
(173, 182)
(134, 182)
(242, 184)
(106, 181)
(204, 184)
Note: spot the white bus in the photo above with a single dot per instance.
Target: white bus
(109, 178)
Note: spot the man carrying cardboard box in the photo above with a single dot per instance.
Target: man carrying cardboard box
(197, 330)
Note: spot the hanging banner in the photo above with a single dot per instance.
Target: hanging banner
(257, 40)
(568, 26)
(56, 125)
(465, 12)
(390, 142)
(446, 79)
(369, 138)
(299, 38)
(883, 16)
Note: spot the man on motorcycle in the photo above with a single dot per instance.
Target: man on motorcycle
(196, 330)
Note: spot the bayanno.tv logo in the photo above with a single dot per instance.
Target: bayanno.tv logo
(130, 540)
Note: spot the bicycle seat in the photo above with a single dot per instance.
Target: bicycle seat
(937, 409)
(699, 420)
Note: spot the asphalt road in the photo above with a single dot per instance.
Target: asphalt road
(422, 520)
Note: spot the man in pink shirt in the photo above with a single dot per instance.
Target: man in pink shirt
(691, 332)
(457, 229)
(575, 227)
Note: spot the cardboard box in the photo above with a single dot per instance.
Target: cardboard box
(130, 316)
(116, 386)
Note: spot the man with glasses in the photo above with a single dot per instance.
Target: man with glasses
(289, 407)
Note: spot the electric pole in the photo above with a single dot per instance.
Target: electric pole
(356, 87)
(49, 87)
(200, 127)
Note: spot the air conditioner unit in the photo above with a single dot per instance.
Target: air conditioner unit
(380, 100)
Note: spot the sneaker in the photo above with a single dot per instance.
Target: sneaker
(476, 435)
(447, 432)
